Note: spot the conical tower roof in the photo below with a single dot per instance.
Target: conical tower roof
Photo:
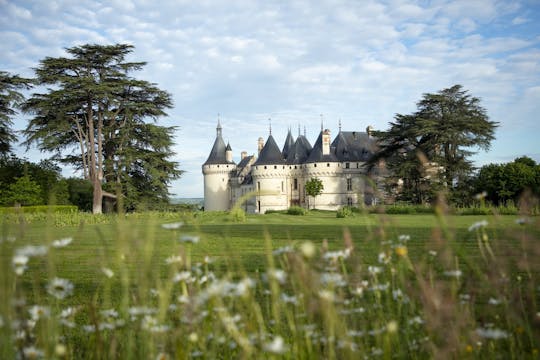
(217, 154)
(316, 154)
(270, 153)
(289, 143)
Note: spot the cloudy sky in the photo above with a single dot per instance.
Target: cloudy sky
(296, 62)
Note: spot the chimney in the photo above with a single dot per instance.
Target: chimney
(369, 130)
(326, 142)
(260, 144)
(243, 155)
(228, 153)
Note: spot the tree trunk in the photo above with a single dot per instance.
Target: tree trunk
(97, 203)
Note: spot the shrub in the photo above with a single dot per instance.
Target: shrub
(237, 215)
(344, 212)
(296, 210)
(56, 209)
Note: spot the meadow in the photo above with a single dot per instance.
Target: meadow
(206, 285)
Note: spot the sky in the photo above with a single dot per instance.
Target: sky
(298, 63)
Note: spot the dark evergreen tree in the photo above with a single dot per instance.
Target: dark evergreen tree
(10, 99)
(430, 149)
(95, 109)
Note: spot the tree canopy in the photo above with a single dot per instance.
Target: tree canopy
(314, 188)
(430, 149)
(93, 116)
(10, 99)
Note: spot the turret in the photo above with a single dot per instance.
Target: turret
(260, 145)
(217, 170)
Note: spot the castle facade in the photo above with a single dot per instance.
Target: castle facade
(276, 178)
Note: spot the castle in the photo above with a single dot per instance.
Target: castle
(275, 179)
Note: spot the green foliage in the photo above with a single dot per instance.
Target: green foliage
(429, 149)
(40, 209)
(94, 115)
(280, 287)
(504, 182)
(296, 210)
(237, 214)
(314, 187)
(10, 99)
(24, 191)
(344, 212)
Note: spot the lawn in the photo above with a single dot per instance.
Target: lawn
(400, 285)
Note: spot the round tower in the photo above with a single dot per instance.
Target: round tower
(217, 170)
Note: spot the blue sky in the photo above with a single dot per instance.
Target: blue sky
(291, 61)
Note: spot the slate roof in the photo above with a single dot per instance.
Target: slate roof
(299, 151)
(316, 154)
(217, 154)
(270, 153)
(354, 146)
(289, 143)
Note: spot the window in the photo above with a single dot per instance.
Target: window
(327, 164)
(295, 184)
(282, 187)
(349, 201)
(275, 166)
(347, 165)
(258, 186)
(349, 184)
(314, 165)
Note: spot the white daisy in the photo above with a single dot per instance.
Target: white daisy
(60, 288)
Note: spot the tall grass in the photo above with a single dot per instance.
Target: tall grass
(115, 291)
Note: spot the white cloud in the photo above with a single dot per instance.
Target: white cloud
(361, 61)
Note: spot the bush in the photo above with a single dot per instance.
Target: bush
(296, 210)
(237, 215)
(344, 212)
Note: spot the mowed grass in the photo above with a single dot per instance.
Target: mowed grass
(418, 255)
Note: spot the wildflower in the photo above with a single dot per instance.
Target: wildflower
(478, 225)
(380, 287)
(383, 258)
(276, 346)
(404, 238)
(60, 288)
(432, 253)
(392, 327)
(173, 259)
(493, 301)
(242, 287)
(37, 312)
(32, 250)
(283, 250)
(481, 195)
(207, 260)
(68, 312)
(334, 256)
(401, 251)
(184, 276)
(469, 349)
(60, 350)
(326, 295)
(108, 272)
(172, 226)
(492, 333)
(307, 249)
(416, 320)
(190, 239)
(32, 352)
(333, 279)
(374, 270)
(277, 274)
(20, 264)
(289, 299)
(453, 273)
(62, 242)
(109, 314)
(464, 298)
(193, 337)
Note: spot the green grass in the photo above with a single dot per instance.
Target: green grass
(435, 315)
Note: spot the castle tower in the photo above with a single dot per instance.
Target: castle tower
(217, 171)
